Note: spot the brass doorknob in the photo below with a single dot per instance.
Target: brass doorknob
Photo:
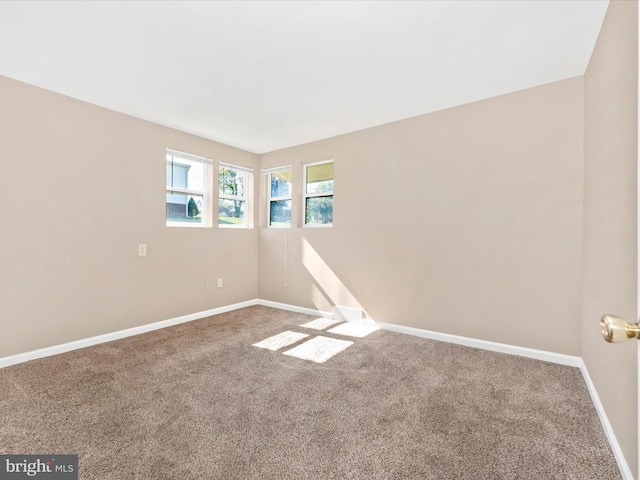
(615, 329)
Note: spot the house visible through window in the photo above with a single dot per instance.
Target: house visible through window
(279, 190)
(318, 194)
(233, 183)
(186, 189)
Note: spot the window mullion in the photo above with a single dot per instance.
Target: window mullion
(233, 210)
(233, 197)
(318, 194)
(186, 191)
(317, 205)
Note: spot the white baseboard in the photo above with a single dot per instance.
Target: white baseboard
(443, 337)
(294, 308)
(552, 357)
(108, 337)
(625, 471)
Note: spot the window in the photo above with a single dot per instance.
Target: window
(186, 200)
(318, 194)
(233, 184)
(279, 192)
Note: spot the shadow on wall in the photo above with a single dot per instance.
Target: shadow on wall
(328, 287)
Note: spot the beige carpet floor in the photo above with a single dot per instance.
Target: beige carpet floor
(198, 401)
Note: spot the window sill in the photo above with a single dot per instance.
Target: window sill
(317, 225)
(185, 225)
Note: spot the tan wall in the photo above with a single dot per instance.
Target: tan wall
(610, 217)
(80, 187)
(466, 221)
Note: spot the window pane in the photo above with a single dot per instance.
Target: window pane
(231, 182)
(185, 208)
(319, 210)
(231, 212)
(281, 184)
(280, 213)
(320, 178)
(185, 174)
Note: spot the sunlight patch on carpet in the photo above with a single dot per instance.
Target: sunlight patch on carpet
(320, 323)
(281, 340)
(354, 330)
(319, 349)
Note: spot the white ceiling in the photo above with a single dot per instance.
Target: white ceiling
(267, 75)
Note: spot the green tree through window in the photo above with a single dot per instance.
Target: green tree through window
(232, 187)
(318, 193)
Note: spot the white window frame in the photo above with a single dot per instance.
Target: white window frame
(246, 198)
(205, 192)
(306, 195)
(268, 172)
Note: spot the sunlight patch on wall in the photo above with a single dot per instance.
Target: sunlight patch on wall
(326, 279)
(319, 299)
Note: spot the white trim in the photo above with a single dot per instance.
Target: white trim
(129, 332)
(625, 471)
(294, 308)
(185, 191)
(231, 166)
(319, 162)
(285, 226)
(187, 224)
(284, 168)
(189, 156)
(109, 337)
(317, 225)
(543, 355)
(559, 358)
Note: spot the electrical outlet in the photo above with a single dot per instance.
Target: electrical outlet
(219, 283)
(142, 250)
